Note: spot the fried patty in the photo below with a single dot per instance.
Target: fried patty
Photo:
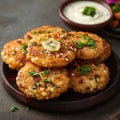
(45, 58)
(14, 53)
(104, 56)
(42, 83)
(89, 46)
(43, 31)
(88, 78)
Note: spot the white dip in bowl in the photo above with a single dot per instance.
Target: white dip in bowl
(73, 12)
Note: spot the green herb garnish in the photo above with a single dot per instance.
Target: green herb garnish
(27, 108)
(46, 80)
(89, 11)
(41, 74)
(84, 70)
(80, 45)
(36, 85)
(33, 73)
(24, 48)
(47, 31)
(35, 32)
(14, 109)
(44, 39)
(44, 72)
(88, 42)
(116, 7)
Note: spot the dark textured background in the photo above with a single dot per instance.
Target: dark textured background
(16, 18)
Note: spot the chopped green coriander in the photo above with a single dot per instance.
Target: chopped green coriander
(44, 39)
(89, 11)
(35, 85)
(44, 72)
(116, 7)
(88, 42)
(85, 37)
(41, 74)
(46, 80)
(47, 31)
(24, 48)
(80, 44)
(14, 109)
(84, 70)
(35, 32)
(33, 73)
(27, 108)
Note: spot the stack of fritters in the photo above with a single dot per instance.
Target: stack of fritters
(50, 60)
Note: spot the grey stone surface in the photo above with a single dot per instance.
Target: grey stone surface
(16, 18)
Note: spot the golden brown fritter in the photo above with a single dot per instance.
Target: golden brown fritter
(88, 78)
(42, 83)
(60, 53)
(14, 53)
(45, 53)
(43, 31)
(89, 46)
(104, 56)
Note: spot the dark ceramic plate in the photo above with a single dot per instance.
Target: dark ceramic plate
(68, 101)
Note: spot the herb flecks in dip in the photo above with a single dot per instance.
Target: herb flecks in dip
(76, 12)
(90, 11)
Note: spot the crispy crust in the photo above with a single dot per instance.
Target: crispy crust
(87, 53)
(43, 31)
(57, 85)
(12, 54)
(93, 81)
(44, 58)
